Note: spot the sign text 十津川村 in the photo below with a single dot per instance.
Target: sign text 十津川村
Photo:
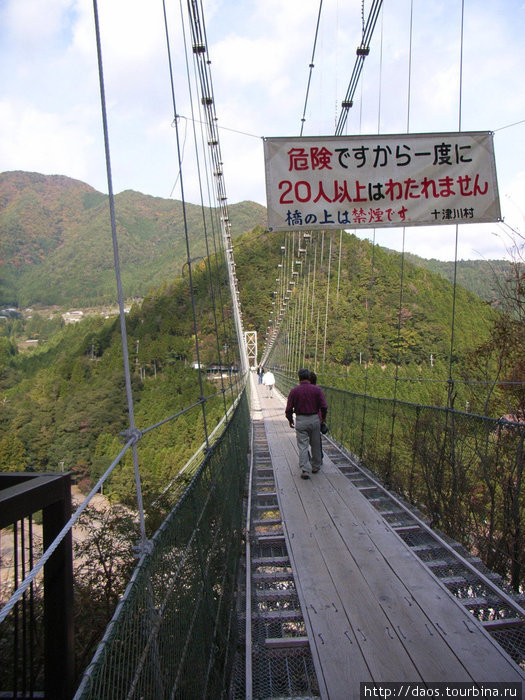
(377, 181)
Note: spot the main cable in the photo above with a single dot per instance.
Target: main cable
(362, 52)
(311, 66)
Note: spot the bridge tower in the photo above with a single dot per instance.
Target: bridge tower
(250, 342)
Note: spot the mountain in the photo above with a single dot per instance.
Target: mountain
(481, 277)
(64, 401)
(366, 313)
(56, 244)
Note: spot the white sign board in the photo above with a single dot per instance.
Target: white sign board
(340, 182)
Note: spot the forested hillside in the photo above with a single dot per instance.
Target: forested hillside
(364, 303)
(56, 246)
(64, 405)
(388, 323)
(481, 277)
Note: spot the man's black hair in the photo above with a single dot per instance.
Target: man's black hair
(304, 374)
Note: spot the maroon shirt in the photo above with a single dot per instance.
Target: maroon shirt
(305, 399)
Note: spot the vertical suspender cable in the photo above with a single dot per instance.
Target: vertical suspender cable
(316, 339)
(204, 223)
(339, 269)
(313, 281)
(133, 432)
(207, 99)
(302, 339)
(402, 271)
(306, 310)
(326, 306)
(311, 66)
(450, 392)
(186, 235)
(370, 298)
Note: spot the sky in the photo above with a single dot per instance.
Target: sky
(417, 78)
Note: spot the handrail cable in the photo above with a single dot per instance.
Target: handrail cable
(303, 119)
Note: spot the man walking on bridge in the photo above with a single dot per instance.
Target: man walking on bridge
(307, 401)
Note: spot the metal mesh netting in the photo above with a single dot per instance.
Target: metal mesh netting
(464, 471)
(481, 591)
(174, 633)
(281, 661)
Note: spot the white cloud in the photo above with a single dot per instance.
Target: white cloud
(260, 53)
(44, 142)
(19, 18)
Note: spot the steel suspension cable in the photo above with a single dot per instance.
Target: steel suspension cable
(189, 259)
(326, 306)
(132, 431)
(450, 392)
(303, 119)
(402, 270)
(208, 261)
(339, 270)
(362, 52)
(313, 281)
(306, 308)
(208, 101)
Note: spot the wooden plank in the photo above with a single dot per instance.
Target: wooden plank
(286, 642)
(346, 546)
(478, 652)
(421, 641)
(339, 665)
(349, 652)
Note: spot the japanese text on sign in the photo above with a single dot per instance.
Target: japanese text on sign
(377, 181)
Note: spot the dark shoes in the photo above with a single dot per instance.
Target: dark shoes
(315, 470)
(305, 475)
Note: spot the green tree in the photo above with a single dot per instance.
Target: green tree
(13, 455)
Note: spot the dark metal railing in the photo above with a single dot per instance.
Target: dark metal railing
(36, 637)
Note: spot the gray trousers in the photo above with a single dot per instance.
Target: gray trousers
(308, 434)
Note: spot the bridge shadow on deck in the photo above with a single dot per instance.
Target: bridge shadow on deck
(373, 611)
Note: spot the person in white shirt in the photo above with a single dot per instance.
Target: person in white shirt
(269, 381)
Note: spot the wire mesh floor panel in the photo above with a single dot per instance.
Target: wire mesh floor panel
(372, 609)
(282, 664)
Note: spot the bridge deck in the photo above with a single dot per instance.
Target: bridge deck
(373, 611)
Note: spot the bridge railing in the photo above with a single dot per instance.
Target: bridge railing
(36, 639)
(463, 471)
(174, 631)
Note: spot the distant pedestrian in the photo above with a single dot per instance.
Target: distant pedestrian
(269, 382)
(308, 403)
(260, 372)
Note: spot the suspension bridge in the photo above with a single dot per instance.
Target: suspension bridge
(367, 579)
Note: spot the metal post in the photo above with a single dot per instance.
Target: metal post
(58, 599)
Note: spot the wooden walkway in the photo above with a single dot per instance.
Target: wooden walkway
(373, 611)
